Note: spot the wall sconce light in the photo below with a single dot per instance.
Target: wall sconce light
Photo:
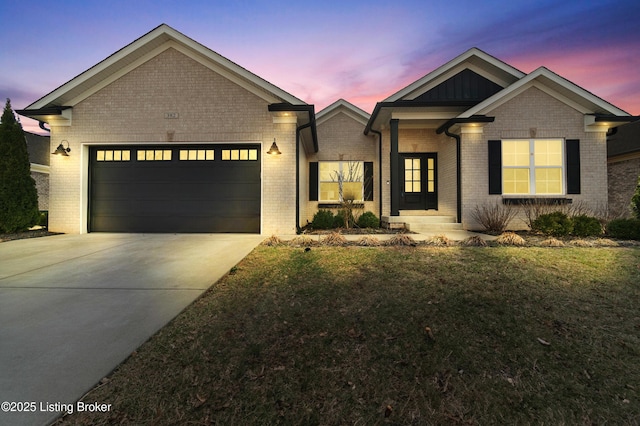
(274, 149)
(61, 150)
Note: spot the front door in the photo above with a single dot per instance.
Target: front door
(418, 181)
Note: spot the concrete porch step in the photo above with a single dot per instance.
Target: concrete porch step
(421, 222)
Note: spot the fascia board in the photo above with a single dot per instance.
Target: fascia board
(166, 37)
(320, 119)
(343, 106)
(543, 79)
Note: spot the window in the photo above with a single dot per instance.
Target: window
(196, 155)
(341, 180)
(154, 155)
(532, 166)
(239, 154)
(113, 155)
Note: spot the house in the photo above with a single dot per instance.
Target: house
(623, 157)
(166, 135)
(478, 131)
(39, 157)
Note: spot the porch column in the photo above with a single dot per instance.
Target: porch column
(395, 187)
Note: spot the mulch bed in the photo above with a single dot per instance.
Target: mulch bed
(26, 234)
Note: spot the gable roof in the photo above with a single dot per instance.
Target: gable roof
(342, 106)
(495, 82)
(554, 85)
(473, 59)
(163, 37)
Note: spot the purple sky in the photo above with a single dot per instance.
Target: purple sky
(325, 50)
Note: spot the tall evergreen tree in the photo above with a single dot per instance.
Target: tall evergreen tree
(18, 195)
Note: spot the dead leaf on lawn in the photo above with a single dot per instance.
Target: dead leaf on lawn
(387, 411)
(429, 333)
(543, 342)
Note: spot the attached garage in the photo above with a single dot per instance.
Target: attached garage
(175, 188)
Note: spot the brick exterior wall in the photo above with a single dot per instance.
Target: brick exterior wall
(42, 186)
(623, 178)
(341, 137)
(536, 114)
(210, 108)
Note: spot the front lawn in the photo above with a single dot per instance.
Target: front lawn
(387, 335)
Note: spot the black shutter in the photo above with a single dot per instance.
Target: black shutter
(573, 166)
(313, 181)
(368, 181)
(495, 167)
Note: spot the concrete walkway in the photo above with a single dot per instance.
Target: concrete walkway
(73, 307)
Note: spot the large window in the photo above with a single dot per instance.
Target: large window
(341, 180)
(532, 166)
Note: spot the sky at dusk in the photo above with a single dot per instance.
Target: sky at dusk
(361, 51)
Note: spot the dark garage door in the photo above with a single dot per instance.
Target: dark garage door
(179, 188)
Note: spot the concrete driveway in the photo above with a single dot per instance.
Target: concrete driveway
(72, 307)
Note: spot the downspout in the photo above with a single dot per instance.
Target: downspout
(379, 170)
(458, 173)
(41, 125)
(298, 130)
(445, 128)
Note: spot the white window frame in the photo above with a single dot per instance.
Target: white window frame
(343, 168)
(532, 167)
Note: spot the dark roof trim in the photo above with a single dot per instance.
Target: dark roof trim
(617, 118)
(53, 110)
(472, 119)
(412, 104)
(309, 109)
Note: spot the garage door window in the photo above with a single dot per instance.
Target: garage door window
(154, 155)
(196, 155)
(113, 155)
(239, 155)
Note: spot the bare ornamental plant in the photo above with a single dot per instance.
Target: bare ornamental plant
(494, 218)
(351, 197)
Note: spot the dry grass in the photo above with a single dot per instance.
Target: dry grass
(400, 240)
(552, 242)
(303, 241)
(393, 335)
(510, 239)
(439, 241)
(334, 239)
(474, 241)
(581, 243)
(272, 241)
(368, 241)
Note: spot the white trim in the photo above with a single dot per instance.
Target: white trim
(148, 46)
(532, 167)
(346, 108)
(40, 168)
(543, 79)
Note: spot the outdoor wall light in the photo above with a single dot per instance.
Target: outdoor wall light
(61, 150)
(274, 149)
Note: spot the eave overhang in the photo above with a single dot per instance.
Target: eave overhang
(305, 121)
(436, 113)
(54, 115)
